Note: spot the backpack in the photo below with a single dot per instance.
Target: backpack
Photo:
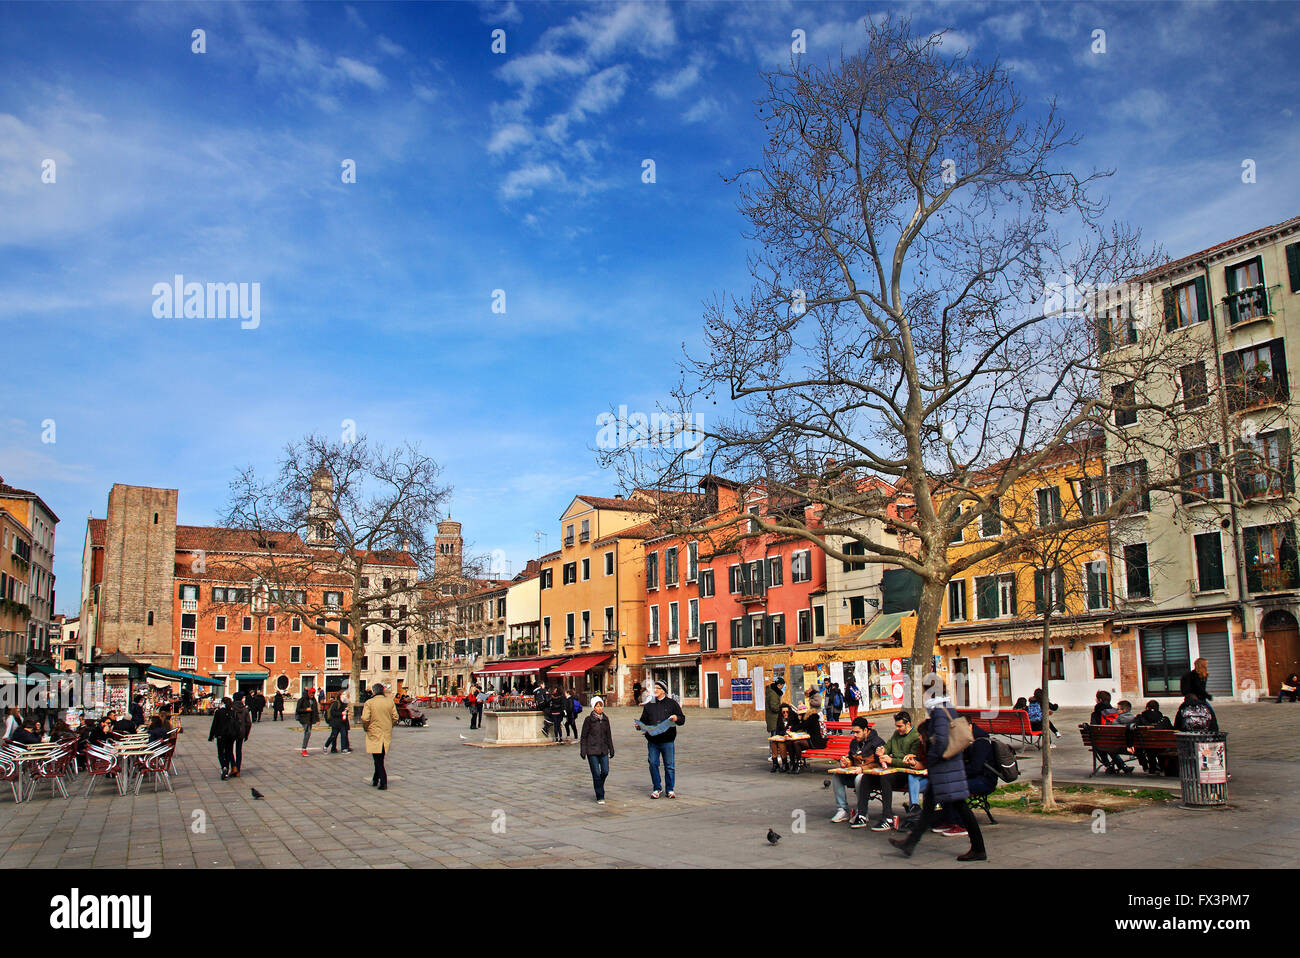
(1002, 761)
(1035, 712)
(1195, 717)
(577, 706)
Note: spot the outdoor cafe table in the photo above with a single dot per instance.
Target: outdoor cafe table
(34, 753)
(128, 751)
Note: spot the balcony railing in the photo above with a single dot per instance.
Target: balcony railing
(585, 641)
(568, 643)
(187, 663)
(333, 663)
(609, 639)
(1249, 304)
(652, 638)
(189, 605)
(585, 537)
(568, 541)
(188, 635)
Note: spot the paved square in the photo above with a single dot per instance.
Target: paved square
(448, 805)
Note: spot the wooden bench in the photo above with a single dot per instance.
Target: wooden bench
(1013, 723)
(1159, 742)
(1111, 739)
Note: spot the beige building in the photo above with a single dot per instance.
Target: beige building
(40, 521)
(1209, 571)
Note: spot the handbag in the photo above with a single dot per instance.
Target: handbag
(960, 734)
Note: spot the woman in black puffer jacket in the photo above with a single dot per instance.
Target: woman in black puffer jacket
(596, 745)
(555, 709)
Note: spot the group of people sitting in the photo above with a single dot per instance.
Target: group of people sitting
(906, 748)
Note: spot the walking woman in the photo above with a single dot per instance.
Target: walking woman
(557, 708)
(308, 713)
(596, 745)
(225, 729)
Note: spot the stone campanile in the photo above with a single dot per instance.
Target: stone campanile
(448, 547)
(139, 567)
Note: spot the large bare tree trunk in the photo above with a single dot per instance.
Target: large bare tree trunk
(1045, 737)
(928, 615)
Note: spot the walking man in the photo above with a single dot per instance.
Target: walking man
(244, 719)
(224, 730)
(659, 721)
(307, 713)
(596, 745)
(277, 707)
(333, 719)
(378, 718)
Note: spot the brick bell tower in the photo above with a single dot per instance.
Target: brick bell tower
(448, 546)
(139, 566)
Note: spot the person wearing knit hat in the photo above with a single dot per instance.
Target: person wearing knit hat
(659, 721)
(596, 745)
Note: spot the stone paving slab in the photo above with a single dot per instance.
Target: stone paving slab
(451, 806)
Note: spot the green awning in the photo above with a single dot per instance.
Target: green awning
(882, 627)
(252, 676)
(43, 669)
(172, 675)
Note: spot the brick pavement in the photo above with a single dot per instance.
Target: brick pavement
(444, 799)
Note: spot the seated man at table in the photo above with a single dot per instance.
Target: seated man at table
(864, 747)
(904, 750)
(123, 724)
(25, 735)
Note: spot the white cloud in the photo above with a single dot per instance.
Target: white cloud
(677, 83)
(509, 137)
(646, 27)
(388, 47)
(533, 69)
(361, 73)
(1149, 107)
(954, 41)
(703, 109)
(1010, 26)
(424, 93)
(600, 92)
(522, 182)
(501, 13)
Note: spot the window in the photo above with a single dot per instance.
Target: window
(320, 626)
(1196, 388)
(546, 631)
(1049, 506)
(819, 620)
(740, 636)
(652, 571)
(1199, 475)
(852, 547)
(654, 625)
(957, 600)
(709, 637)
(957, 528)
(1270, 557)
(1092, 495)
(1101, 661)
(801, 566)
(673, 624)
(1185, 304)
(568, 534)
(401, 636)
(1165, 658)
(270, 623)
(693, 621)
(753, 523)
(1056, 665)
(1124, 401)
(333, 598)
(149, 620)
(221, 623)
(734, 579)
(187, 649)
(245, 653)
(776, 628)
(248, 623)
(570, 573)
(609, 623)
(343, 626)
(385, 663)
(775, 575)
(609, 563)
(586, 624)
(547, 579)
(692, 561)
(1096, 584)
(805, 626)
(365, 662)
(995, 596)
(190, 592)
(1137, 572)
(365, 582)
(1115, 328)
(386, 636)
(295, 654)
(586, 530)
(1264, 466)
(1247, 297)
(586, 569)
(268, 655)
(670, 566)
(401, 663)
(568, 628)
(1127, 477)
(1049, 590)
(295, 625)
(857, 610)
(1209, 561)
(1256, 376)
(219, 654)
(706, 583)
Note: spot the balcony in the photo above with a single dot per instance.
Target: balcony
(1248, 305)
(568, 542)
(652, 639)
(187, 635)
(609, 639)
(187, 663)
(334, 663)
(585, 641)
(568, 643)
(752, 593)
(189, 605)
(585, 537)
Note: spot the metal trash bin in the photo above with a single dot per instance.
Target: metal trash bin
(1203, 768)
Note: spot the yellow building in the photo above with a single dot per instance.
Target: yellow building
(593, 595)
(990, 637)
(39, 520)
(15, 573)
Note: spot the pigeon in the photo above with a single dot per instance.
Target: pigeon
(772, 837)
(457, 718)
(256, 793)
(826, 783)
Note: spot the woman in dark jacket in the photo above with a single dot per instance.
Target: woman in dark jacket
(947, 784)
(596, 745)
(555, 709)
(786, 722)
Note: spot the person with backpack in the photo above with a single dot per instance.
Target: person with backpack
(596, 745)
(575, 709)
(1152, 717)
(949, 735)
(834, 703)
(1035, 709)
(245, 720)
(307, 712)
(1195, 715)
(852, 698)
(333, 718)
(557, 709)
(981, 776)
(1103, 713)
(225, 728)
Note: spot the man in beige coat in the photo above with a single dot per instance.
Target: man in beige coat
(378, 718)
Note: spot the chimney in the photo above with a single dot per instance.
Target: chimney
(618, 495)
(406, 545)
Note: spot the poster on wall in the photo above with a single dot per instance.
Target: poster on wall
(899, 684)
(756, 681)
(1211, 763)
(118, 692)
(837, 673)
(742, 690)
(796, 684)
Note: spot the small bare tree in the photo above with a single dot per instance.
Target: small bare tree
(349, 508)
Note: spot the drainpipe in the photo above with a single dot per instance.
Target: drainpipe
(1238, 563)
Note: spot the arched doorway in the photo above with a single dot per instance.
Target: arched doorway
(1281, 647)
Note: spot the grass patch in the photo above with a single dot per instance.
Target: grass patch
(1075, 802)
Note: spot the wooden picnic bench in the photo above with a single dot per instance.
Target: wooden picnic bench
(1013, 723)
(1106, 739)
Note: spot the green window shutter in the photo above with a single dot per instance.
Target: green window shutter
(1059, 575)
(1103, 335)
(1235, 379)
(1293, 266)
(1202, 300)
(1171, 309)
(1014, 590)
(1250, 543)
(1279, 369)
(1287, 460)
(1040, 597)
(1230, 282)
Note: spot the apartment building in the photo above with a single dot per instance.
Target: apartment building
(39, 519)
(15, 578)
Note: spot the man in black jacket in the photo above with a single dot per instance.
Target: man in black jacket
(659, 721)
(862, 750)
(225, 728)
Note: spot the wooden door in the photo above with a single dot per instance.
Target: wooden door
(997, 672)
(1281, 648)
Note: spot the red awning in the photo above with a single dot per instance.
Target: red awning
(581, 663)
(518, 667)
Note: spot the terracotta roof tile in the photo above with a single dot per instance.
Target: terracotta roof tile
(12, 492)
(1175, 265)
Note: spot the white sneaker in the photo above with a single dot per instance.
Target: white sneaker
(840, 816)
(672, 794)
(655, 793)
(600, 801)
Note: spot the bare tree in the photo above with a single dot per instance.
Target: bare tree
(335, 512)
(923, 310)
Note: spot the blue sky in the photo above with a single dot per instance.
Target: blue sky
(475, 172)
